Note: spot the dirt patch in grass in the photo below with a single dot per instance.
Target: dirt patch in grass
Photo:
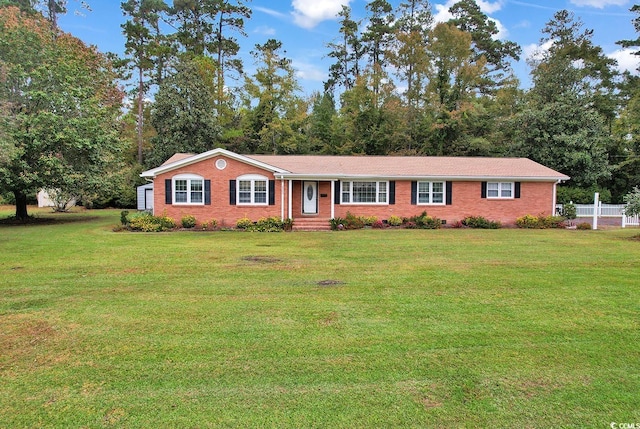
(329, 283)
(20, 336)
(261, 259)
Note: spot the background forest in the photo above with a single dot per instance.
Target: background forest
(87, 122)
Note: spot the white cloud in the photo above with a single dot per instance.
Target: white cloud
(265, 30)
(535, 51)
(599, 4)
(308, 13)
(442, 14)
(442, 10)
(308, 71)
(270, 12)
(626, 60)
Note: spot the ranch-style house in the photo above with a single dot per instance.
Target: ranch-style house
(311, 189)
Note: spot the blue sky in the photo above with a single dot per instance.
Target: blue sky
(305, 27)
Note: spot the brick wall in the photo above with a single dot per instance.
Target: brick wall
(536, 198)
(220, 209)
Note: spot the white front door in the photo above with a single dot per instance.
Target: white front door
(310, 197)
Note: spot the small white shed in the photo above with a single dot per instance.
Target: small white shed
(145, 197)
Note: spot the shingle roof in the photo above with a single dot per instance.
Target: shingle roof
(339, 167)
(410, 166)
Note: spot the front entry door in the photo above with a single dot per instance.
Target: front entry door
(310, 197)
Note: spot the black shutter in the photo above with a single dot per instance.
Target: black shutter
(483, 190)
(272, 192)
(336, 192)
(167, 191)
(232, 192)
(449, 187)
(517, 190)
(392, 192)
(207, 192)
(414, 192)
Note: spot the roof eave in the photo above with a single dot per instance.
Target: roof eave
(324, 176)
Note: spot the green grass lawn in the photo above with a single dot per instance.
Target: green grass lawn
(395, 328)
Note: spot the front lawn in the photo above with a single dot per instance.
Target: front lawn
(370, 328)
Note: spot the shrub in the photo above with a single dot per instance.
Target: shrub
(395, 220)
(124, 220)
(480, 222)
(287, 224)
(146, 222)
(337, 223)
(244, 223)
(369, 220)
(540, 222)
(353, 222)
(527, 221)
(212, 224)
(188, 221)
(264, 224)
(569, 211)
(422, 221)
(268, 224)
(378, 224)
(583, 226)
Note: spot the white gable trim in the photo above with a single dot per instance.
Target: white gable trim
(207, 155)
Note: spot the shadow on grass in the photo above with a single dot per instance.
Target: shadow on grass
(47, 219)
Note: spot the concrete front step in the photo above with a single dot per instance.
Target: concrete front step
(311, 224)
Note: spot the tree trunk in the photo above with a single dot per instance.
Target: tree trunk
(21, 205)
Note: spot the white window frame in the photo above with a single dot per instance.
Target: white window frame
(430, 202)
(502, 188)
(252, 179)
(381, 192)
(190, 180)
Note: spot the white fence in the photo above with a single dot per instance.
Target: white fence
(604, 210)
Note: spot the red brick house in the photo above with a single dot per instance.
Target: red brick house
(311, 189)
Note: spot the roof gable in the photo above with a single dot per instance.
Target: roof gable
(180, 160)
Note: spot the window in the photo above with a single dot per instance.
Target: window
(188, 189)
(499, 189)
(431, 193)
(365, 192)
(252, 189)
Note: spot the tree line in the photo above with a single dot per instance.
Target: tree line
(400, 84)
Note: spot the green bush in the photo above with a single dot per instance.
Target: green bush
(146, 222)
(268, 224)
(540, 222)
(188, 221)
(353, 222)
(569, 211)
(244, 223)
(124, 220)
(480, 222)
(422, 221)
(583, 226)
(369, 220)
(336, 223)
(212, 224)
(567, 194)
(264, 224)
(395, 220)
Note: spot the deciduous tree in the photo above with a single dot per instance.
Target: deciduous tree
(62, 106)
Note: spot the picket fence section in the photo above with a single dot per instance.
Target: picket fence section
(604, 210)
